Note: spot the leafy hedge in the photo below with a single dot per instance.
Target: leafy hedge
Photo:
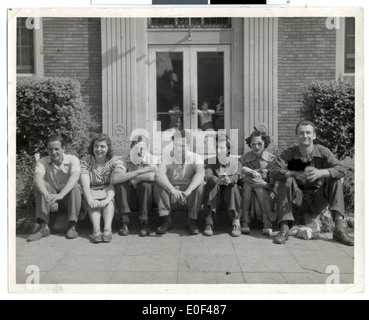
(331, 107)
(47, 106)
(52, 106)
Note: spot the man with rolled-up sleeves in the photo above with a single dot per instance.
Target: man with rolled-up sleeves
(309, 179)
(56, 183)
(180, 184)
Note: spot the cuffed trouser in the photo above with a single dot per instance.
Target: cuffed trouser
(227, 196)
(166, 203)
(128, 197)
(303, 206)
(71, 203)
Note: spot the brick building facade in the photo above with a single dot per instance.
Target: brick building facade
(263, 64)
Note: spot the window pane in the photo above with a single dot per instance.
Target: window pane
(25, 48)
(350, 45)
(169, 89)
(184, 23)
(210, 68)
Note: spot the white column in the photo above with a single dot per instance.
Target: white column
(119, 74)
(261, 75)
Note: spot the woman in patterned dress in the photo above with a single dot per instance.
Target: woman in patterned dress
(98, 188)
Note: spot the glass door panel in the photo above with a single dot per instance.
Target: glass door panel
(210, 90)
(169, 89)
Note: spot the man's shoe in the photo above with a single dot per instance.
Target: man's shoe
(96, 238)
(281, 238)
(245, 228)
(165, 225)
(343, 238)
(42, 232)
(208, 232)
(236, 232)
(193, 228)
(107, 237)
(124, 231)
(72, 233)
(144, 230)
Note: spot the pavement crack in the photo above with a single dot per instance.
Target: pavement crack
(313, 270)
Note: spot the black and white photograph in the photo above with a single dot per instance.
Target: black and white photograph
(199, 147)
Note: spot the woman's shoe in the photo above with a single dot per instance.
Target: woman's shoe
(96, 238)
(208, 232)
(236, 232)
(245, 229)
(267, 229)
(107, 237)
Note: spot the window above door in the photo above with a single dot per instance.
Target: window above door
(186, 23)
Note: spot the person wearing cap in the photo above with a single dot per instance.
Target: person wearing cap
(134, 186)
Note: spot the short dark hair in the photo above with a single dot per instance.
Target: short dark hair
(99, 138)
(55, 138)
(259, 133)
(182, 134)
(305, 123)
(226, 139)
(138, 140)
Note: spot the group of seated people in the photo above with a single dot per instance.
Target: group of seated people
(299, 183)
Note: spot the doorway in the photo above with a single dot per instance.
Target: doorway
(184, 78)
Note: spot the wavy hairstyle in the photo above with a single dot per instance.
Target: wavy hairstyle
(100, 138)
(260, 131)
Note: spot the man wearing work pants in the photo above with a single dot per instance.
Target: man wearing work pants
(309, 177)
(180, 184)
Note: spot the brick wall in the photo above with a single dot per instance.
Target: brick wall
(73, 49)
(306, 52)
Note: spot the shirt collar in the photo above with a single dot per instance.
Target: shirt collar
(146, 159)
(266, 156)
(316, 153)
(66, 160)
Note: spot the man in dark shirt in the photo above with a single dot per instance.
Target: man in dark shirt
(309, 180)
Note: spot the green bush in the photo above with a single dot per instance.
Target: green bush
(349, 192)
(47, 106)
(52, 106)
(331, 107)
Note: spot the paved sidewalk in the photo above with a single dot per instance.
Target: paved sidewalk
(177, 258)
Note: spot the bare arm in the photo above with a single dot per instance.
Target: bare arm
(144, 174)
(197, 179)
(40, 183)
(147, 177)
(162, 179)
(85, 183)
(71, 183)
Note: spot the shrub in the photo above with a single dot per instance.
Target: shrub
(52, 106)
(331, 107)
(47, 106)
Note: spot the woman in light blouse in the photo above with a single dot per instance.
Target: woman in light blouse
(97, 184)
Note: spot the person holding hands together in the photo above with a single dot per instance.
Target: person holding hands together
(97, 174)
